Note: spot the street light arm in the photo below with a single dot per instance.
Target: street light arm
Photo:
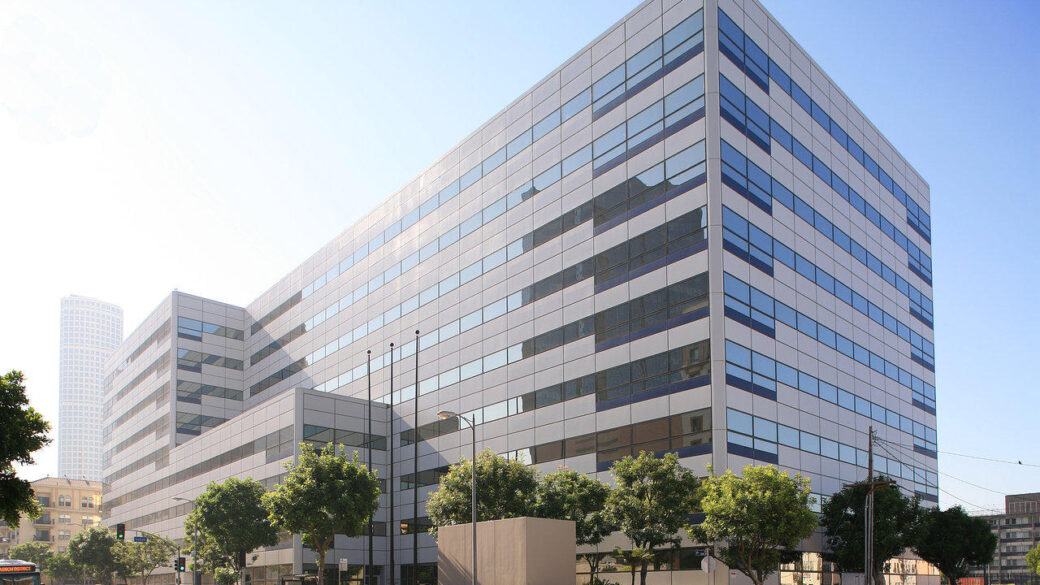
(445, 415)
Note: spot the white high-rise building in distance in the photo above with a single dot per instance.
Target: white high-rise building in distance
(90, 331)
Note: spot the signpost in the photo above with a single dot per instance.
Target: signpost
(140, 539)
(344, 565)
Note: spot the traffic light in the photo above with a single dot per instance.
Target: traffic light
(120, 531)
(242, 559)
(180, 564)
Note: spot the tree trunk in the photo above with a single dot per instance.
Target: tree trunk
(593, 560)
(321, 565)
(642, 571)
(879, 577)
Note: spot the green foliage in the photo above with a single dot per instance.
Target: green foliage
(324, 494)
(22, 432)
(843, 520)
(61, 568)
(1033, 559)
(505, 489)
(760, 517)
(141, 559)
(231, 520)
(953, 541)
(568, 495)
(634, 559)
(93, 550)
(650, 501)
(34, 552)
(225, 576)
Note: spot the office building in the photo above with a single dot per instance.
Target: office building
(67, 506)
(90, 331)
(684, 239)
(1017, 531)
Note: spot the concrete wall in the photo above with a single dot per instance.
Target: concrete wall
(516, 551)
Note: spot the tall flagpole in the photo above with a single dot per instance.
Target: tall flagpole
(415, 473)
(390, 531)
(369, 440)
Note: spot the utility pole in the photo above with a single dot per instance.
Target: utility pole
(391, 530)
(415, 472)
(868, 515)
(369, 440)
(868, 509)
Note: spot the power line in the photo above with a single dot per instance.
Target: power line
(999, 493)
(990, 459)
(905, 449)
(882, 443)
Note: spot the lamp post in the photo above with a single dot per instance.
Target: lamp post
(445, 415)
(194, 545)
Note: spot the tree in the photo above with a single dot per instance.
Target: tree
(633, 558)
(568, 495)
(232, 521)
(34, 552)
(650, 502)
(22, 432)
(505, 489)
(93, 550)
(324, 494)
(141, 559)
(953, 541)
(62, 568)
(1033, 559)
(843, 520)
(761, 517)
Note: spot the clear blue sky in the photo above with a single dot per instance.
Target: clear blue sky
(212, 146)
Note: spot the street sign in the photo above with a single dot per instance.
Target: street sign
(140, 539)
(344, 565)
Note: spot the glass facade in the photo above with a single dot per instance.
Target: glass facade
(615, 263)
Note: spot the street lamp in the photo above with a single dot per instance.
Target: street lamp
(194, 545)
(445, 415)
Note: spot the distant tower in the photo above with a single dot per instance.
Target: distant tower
(90, 331)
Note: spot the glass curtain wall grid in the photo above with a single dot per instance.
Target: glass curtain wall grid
(683, 302)
(751, 121)
(678, 45)
(743, 52)
(759, 438)
(749, 243)
(659, 184)
(752, 307)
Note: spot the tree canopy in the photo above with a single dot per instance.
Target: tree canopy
(324, 494)
(1033, 559)
(953, 541)
(232, 521)
(62, 568)
(757, 519)
(505, 489)
(93, 550)
(566, 494)
(142, 559)
(34, 552)
(895, 516)
(650, 502)
(22, 432)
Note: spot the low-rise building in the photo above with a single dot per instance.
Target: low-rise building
(1018, 531)
(68, 506)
